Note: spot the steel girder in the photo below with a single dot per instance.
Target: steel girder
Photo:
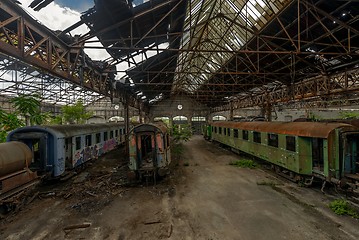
(27, 40)
(317, 91)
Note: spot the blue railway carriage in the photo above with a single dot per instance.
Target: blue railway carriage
(149, 149)
(60, 147)
(302, 150)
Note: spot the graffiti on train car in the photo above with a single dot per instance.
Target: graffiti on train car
(109, 145)
(86, 154)
(90, 153)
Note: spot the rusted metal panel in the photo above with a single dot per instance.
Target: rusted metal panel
(14, 156)
(70, 130)
(15, 180)
(159, 126)
(304, 129)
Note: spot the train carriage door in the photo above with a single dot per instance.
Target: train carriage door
(351, 158)
(147, 150)
(37, 142)
(160, 153)
(318, 154)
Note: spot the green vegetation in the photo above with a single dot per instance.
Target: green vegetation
(244, 163)
(75, 114)
(342, 207)
(29, 108)
(349, 115)
(8, 122)
(28, 112)
(177, 149)
(314, 117)
(26, 108)
(181, 133)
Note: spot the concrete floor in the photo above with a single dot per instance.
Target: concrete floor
(209, 199)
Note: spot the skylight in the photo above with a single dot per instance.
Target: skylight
(219, 26)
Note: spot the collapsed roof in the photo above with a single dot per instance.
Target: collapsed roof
(219, 50)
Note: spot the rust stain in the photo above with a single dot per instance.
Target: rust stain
(304, 129)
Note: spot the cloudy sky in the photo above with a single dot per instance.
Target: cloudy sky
(61, 14)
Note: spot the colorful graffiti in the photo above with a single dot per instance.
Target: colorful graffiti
(86, 154)
(109, 145)
(93, 152)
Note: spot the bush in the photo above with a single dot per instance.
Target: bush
(342, 207)
(181, 133)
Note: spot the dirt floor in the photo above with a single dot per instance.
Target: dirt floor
(203, 198)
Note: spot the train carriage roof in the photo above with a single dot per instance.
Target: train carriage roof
(68, 130)
(150, 127)
(304, 129)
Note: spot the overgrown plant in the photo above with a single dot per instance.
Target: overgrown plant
(313, 117)
(8, 122)
(244, 163)
(182, 132)
(29, 108)
(342, 207)
(75, 114)
(348, 115)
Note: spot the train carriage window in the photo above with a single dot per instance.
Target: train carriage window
(98, 137)
(111, 134)
(229, 132)
(220, 130)
(121, 131)
(225, 131)
(105, 136)
(78, 143)
(88, 140)
(212, 128)
(273, 140)
(215, 129)
(290, 143)
(257, 137)
(245, 134)
(116, 133)
(235, 133)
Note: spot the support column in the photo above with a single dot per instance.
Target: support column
(189, 122)
(267, 111)
(140, 113)
(127, 125)
(170, 123)
(231, 111)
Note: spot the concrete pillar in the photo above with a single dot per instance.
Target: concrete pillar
(189, 120)
(127, 125)
(266, 111)
(140, 113)
(231, 111)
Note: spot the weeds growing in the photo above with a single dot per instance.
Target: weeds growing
(342, 207)
(244, 164)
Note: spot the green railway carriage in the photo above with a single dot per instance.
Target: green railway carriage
(306, 149)
(207, 131)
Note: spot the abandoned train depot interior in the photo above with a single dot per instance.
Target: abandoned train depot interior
(179, 119)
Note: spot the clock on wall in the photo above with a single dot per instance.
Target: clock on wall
(179, 106)
(117, 107)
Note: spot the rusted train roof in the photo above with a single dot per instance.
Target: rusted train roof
(68, 130)
(304, 129)
(142, 127)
